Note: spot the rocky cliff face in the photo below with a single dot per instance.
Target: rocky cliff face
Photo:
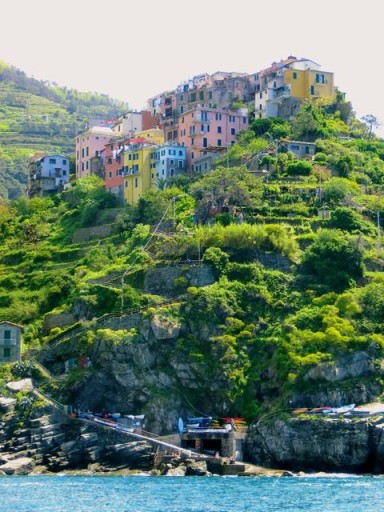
(48, 441)
(319, 444)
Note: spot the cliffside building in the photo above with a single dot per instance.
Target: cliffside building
(47, 175)
(89, 147)
(280, 88)
(203, 129)
(10, 342)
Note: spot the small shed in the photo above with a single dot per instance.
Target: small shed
(10, 342)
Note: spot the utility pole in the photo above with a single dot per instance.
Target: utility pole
(227, 156)
(378, 231)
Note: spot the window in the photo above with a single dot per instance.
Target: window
(64, 173)
(320, 78)
(244, 120)
(82, 153)
(7, 352)
(7, 338)
(181, 109)
(219, 142)
(261, 95)
(136, 182)
(64, 162)
(87, 151)
(192, 97)
(201, 95)
(312, 90)
(219, 129)
(233, 131)
(260, 107)
(294, 75)
(218, 117)
(126, 184)
(192, 155)
(82, 166)
(87, 164)
(110, 174)
(205, 142)
(210, 95)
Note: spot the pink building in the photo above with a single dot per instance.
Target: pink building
(113, 157)
(203, 129)
(89, 145)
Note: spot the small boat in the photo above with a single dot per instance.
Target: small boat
(342, 410)
(300, 410)
(320, 410)
(361, 412)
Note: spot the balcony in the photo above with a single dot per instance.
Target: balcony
(279, 93)
(8, 342)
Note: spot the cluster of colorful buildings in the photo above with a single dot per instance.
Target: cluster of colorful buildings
(186, 129)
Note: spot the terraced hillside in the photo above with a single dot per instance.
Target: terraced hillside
(37, 116)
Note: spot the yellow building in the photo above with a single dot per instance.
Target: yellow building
(309, 83)
(283, 86)
(140, 173)
(153, 135)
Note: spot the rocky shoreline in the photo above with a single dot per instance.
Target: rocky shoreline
(46, 441)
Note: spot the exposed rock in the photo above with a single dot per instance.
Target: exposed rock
(164, 329)
(21, 466)
(319, 443)
(179, 471)
(20, 385)
(357, 392)
(135, 455)
(7, 404)
(195, 468)
(354, 365)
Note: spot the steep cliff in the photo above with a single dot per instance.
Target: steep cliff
(319, 444)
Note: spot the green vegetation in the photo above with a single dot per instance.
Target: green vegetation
(294, 246)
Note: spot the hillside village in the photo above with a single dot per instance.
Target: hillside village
(204, 276)
(185, 130)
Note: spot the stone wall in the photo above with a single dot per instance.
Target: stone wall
(57, 320)
(163, 280)
(117, 323)
(87, 234)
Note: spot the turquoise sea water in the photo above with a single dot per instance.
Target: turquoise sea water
(190, 494)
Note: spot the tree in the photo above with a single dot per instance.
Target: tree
(224, 188)
(371, 121)
(334, 260)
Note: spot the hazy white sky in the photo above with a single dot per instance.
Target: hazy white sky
(134, 49)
